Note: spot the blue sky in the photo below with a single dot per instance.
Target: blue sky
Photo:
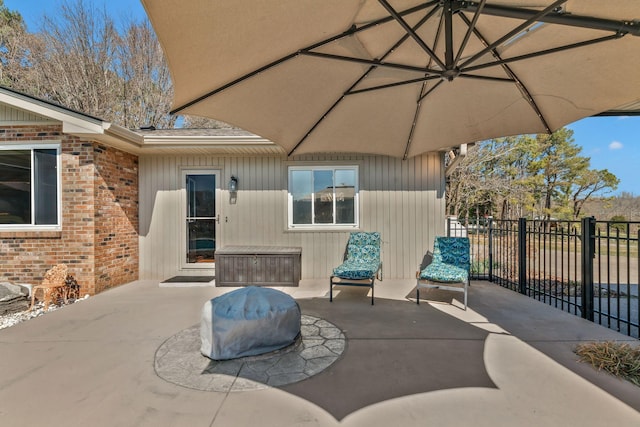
(33, 10)
(612, 143)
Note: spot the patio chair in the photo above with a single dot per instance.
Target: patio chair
(449, 269)
(361, 263)
(52, 286)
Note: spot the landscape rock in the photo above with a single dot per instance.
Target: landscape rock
(13, 298)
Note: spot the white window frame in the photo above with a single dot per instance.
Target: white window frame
(324, 227)
(39, 146)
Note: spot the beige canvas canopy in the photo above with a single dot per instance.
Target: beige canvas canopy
(399, 77)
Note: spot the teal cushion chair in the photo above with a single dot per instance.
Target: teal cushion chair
(449, 269)
(361, 263)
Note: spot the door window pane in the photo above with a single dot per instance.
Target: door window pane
(202, 243)
(201, 193)
(201, 218)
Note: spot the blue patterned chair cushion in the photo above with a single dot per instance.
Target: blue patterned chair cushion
(363, 257)
(444, 273)
(451, 260)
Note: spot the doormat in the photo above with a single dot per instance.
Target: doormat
(190, 279)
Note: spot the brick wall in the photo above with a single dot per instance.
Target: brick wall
(116, 215)
(99, 202)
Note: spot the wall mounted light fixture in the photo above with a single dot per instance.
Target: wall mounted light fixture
(233, 184)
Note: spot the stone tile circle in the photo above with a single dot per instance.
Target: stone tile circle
(179, 361)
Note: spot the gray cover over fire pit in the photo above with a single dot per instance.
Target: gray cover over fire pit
(247, 322)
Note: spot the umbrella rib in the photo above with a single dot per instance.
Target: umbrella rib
(444, 20)
(492, 46)
(415, 116)
(379, 62)
(467, 36)
(489, 78)
(389, 85)
(544, 52)
(413, 125)
(437, 75)
(561, 18)
(523, 89)
(372, 62)
(412, 33)
(427, 93)
(335, 104)
(351, 31)
(373, 67)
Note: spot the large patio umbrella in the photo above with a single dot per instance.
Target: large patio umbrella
(399, 77)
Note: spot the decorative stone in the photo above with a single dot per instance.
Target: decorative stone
(13, 298)
(179, 361)
(247, 322)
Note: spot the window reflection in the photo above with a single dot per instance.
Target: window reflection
(323, 196)
(23, 200)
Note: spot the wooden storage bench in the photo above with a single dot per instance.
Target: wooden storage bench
(258, 266)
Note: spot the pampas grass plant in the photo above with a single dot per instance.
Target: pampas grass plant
(620, 359)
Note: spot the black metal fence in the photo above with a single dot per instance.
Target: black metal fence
(589, 268)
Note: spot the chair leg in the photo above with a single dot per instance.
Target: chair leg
(331, 289)
(33, 297)
(371, 293)
(417, 295)
(466, 288)
(47, 296)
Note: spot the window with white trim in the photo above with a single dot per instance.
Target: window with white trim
(323, 197)
(29, 186)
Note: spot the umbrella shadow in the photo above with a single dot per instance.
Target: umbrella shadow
(394, 349)
(351, 355)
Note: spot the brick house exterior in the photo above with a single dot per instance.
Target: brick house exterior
(98, 233)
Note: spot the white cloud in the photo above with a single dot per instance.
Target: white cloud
(615, 145)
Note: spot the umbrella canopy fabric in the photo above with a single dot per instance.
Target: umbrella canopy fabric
(398, 77)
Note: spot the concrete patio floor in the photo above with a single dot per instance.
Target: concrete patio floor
(506, 361)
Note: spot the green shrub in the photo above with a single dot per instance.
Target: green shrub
(621, 227)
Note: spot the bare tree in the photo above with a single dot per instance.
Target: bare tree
(491, 179)
(74, 61)
(13, 47)
(80, 60)
(196, 122)
(146, 89)
(527, 175)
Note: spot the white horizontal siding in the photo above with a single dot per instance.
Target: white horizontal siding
(403, 200)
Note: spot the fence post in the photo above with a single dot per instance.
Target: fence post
(522, 255)
(588, 252)
(490, 236)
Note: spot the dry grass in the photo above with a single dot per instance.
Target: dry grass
(620, 359)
